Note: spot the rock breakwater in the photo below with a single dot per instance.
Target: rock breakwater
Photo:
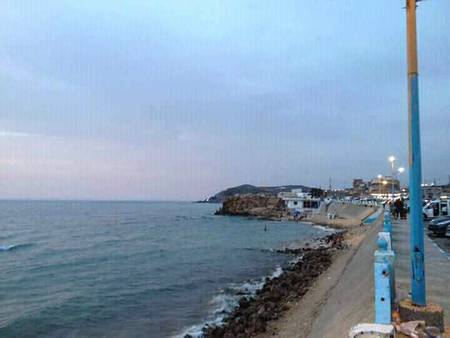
(273, 299)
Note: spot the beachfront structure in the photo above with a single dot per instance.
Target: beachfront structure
(300, 202)
(359, 188)
(431, 191)
(383, 185)
(359, 185)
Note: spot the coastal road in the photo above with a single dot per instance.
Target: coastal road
(442, 242)
(437, 267)
(345, 293)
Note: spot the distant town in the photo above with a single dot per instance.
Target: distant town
(379, 188)
(387, 187)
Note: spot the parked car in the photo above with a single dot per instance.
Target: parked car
(435, 208)
(439, 226)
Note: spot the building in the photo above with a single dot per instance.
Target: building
(384, 185)
(300, 201)
(359, 187)
(431, 191)
(358, 183)
(337, 194)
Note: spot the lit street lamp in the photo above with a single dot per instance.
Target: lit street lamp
(400, 170)
(379, 185)
(392, 160)
(384, 183)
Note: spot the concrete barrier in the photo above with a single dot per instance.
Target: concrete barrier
(384, 284)
(384, 274)
(344, 214)
(384, 281)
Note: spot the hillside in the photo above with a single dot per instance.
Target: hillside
(221, 196)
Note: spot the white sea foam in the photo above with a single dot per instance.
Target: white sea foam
(321, 227)
(226, 301)
(277, 273)
(12, 247)
(295, 260)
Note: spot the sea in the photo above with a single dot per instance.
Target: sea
(131, 269)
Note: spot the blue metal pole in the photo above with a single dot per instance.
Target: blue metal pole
(415, 164)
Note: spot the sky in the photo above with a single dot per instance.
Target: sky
(177, 100)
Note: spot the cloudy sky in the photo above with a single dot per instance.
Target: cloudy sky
(134, 99)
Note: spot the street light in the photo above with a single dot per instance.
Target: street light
(384, 183)
(379, 185)
(400, 170)
(392, 160)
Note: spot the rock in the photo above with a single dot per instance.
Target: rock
(271, 301)
(243, 303)
(256, 205)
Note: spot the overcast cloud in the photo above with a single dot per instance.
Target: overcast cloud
(180, 99)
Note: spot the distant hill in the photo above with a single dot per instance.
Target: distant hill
(251, 189)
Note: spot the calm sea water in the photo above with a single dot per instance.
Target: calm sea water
(128, 269)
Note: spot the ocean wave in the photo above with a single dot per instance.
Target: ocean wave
(130, 222)
(295, 260)
(259, 249)
(193, 218)
(226, 301)
(323, 228)
(13, 247)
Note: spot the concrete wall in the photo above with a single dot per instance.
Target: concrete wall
(346, 214)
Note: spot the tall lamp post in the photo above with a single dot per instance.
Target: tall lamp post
(415, 162)
(379, 185)
(387, 195)
(400, 170)
(392, 160)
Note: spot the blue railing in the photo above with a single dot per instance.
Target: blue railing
(384, 273)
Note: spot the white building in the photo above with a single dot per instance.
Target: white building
(299, 201)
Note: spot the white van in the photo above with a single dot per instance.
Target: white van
(436, 208)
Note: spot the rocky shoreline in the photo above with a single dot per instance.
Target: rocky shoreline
(272, 300)
(254, 205)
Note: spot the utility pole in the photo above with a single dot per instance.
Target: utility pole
(415, 163)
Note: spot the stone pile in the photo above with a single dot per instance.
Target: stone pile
(253, 314)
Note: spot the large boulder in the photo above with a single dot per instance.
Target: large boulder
(257, 205)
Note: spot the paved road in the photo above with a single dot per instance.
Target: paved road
(442, 242)
(437, 268)
(350, 301)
